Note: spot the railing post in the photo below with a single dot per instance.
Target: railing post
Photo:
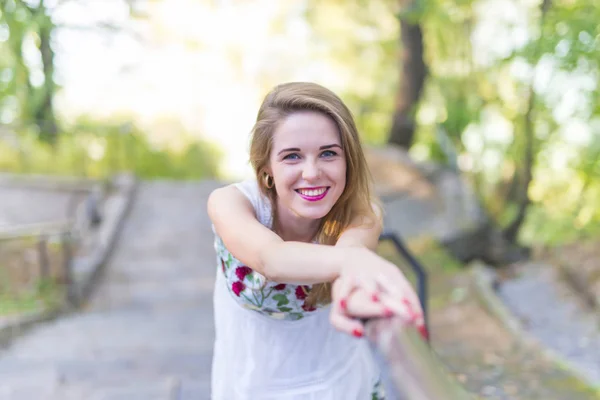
(68, 266)
(43, 257)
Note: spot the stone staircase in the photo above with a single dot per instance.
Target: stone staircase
(147, 332)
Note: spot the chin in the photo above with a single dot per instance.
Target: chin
(313, 212)
(314, 215)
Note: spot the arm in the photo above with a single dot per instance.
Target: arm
(257, 246)
(363, 232)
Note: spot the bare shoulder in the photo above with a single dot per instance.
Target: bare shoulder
(227, 198)
(235, 222)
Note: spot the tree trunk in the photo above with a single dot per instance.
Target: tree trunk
(512, 230)
(412, 78)
(44, 114)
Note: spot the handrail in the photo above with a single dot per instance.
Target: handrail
(409, 368)
(24, 231)
(415, 266)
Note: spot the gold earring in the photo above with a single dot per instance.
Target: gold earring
(268, 180)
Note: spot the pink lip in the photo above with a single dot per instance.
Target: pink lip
(314, 198)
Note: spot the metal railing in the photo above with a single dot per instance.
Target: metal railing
(416, 267)
(409, 368)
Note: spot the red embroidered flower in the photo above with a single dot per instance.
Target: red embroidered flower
(223, 265)
(241, 272)
(237, 287)
(281, 286)
(308, 308)
(300, 293)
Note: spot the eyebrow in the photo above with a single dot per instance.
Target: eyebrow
(329, 146)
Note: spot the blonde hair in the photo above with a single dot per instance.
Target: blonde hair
(355, 200)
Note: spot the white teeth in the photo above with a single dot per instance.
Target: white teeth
(312, 192)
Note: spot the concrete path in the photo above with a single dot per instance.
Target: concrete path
(147, 332)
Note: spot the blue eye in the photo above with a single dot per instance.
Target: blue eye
(329, 153)
(292, 156)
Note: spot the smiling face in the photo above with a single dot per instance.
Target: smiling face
(308, 165)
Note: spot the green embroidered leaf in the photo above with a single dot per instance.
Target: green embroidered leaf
(296, 316)
(281, 300)
(284, 309)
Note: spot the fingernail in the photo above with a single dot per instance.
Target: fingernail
(357, 333)
(375, 297)
(423, 331)
(387, 312)
(343, 304)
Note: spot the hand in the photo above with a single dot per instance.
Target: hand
(381, 279)
(370, 287)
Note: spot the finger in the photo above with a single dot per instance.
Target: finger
(398, 287)
(395, 307)
(362, 305)
(341, 291)
(370, 287)
(340, 321)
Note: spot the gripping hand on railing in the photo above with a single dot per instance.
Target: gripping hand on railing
(374, 290)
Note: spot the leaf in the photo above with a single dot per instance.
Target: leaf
(284, 309)
(281, 299)
(296, 316)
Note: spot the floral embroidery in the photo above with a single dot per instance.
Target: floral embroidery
(242, 271)
(238, 287)
(378, 392)
(254, 292)
(300, 293)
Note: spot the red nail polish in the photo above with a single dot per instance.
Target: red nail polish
(423, 331)
(344, 304)
(375, 297)
(357, 333)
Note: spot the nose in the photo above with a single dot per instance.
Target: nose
(311, 171)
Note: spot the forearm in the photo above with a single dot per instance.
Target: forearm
(304, 263)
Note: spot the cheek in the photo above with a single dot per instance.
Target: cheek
(284, 177)
(339, 173)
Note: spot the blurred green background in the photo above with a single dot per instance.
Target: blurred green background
(505, 92)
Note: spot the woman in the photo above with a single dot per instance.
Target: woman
(296, 262)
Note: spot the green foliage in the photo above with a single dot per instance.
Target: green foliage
(484, 110)
(25, 26)
(96, 149)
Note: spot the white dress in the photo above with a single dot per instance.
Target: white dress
(269, 345)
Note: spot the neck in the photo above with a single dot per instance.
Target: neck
(292, 228)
